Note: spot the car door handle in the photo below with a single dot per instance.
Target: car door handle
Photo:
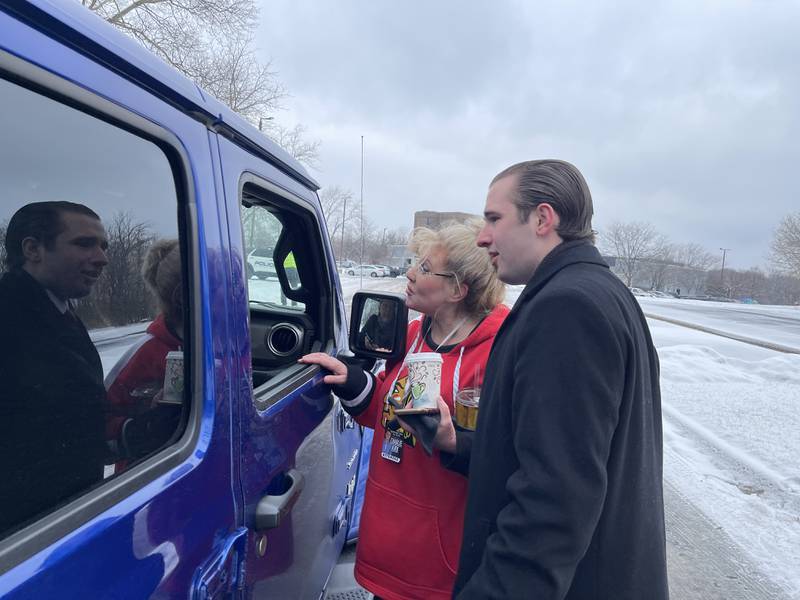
(271, 510)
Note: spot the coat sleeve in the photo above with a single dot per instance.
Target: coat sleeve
(568, 382)
(459, 461)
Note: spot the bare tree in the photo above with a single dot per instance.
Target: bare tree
(229, 68)
(261, 229)
(751, 284)
(659, 267)
(389, 238)
(120, 296)
(211, 42)
(293, 140)
(689, 271)
(340, 211)
(785, 255)
(177, 30)
(783, 289)
(631, 244)
(694, 256)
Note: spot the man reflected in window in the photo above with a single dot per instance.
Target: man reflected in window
(51, 380)
(378, 332)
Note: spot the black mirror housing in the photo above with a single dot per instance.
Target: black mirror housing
(378, 325)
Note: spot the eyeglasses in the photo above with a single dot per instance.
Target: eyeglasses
(423, 269)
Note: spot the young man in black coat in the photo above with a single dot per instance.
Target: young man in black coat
(565, 467)
(52, 443)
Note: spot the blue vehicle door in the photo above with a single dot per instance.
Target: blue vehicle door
(299, 450)
(114, 485)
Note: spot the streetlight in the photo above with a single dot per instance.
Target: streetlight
(361, 268)
(722, 271)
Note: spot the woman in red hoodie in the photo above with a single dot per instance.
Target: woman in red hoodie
(138, 423)
(411, 523)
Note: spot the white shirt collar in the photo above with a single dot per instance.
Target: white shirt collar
(61, 305)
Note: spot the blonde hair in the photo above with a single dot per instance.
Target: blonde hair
(469, 263)
(161, 272)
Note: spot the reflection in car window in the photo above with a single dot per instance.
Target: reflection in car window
(80, 303)
(377, 327)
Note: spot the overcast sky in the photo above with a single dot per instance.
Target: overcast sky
(683, 114)
(60, 153)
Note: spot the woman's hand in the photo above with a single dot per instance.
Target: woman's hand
(337, 368)
(445, 438)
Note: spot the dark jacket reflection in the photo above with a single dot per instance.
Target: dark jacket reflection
(51, 403)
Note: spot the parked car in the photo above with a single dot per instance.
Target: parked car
(261, 262)
(390, 271)
(639, 292)
(249, 493)
(365, 270)
(345, 264)
(658, 294)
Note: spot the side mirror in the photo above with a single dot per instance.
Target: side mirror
(378, 325)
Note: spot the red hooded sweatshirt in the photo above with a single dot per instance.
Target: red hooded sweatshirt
(139, 375)
(411, 523)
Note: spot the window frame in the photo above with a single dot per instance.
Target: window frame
(269, 394)
(56, 524)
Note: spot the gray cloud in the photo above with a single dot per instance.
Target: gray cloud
(679, 113)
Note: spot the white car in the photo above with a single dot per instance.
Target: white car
(366, 270)
(391, 271)
(261, 264)
(639, 292)
(657, 294)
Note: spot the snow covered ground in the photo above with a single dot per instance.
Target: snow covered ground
(731, 413)
(732, 434)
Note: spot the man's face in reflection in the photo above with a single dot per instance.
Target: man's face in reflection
(73, 263)
(386, 311)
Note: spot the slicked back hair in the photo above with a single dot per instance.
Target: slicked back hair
(559, 184)
(41, 221)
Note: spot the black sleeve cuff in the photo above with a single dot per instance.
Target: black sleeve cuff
(459, 462)
(356, 392)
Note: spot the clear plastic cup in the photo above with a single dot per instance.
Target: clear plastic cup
(466, 405)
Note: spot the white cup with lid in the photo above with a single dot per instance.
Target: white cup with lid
(424, 379)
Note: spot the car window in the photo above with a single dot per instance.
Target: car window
(288, 311)
(262, 230)
(92, 359)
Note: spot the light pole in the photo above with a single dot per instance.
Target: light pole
(361, 259)
(722, 271)
(344, 213)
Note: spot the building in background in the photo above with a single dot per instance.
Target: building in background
(435, 220)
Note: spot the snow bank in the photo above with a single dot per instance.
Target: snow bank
(701, 364)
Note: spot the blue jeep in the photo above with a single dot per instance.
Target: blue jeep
(247, 488)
